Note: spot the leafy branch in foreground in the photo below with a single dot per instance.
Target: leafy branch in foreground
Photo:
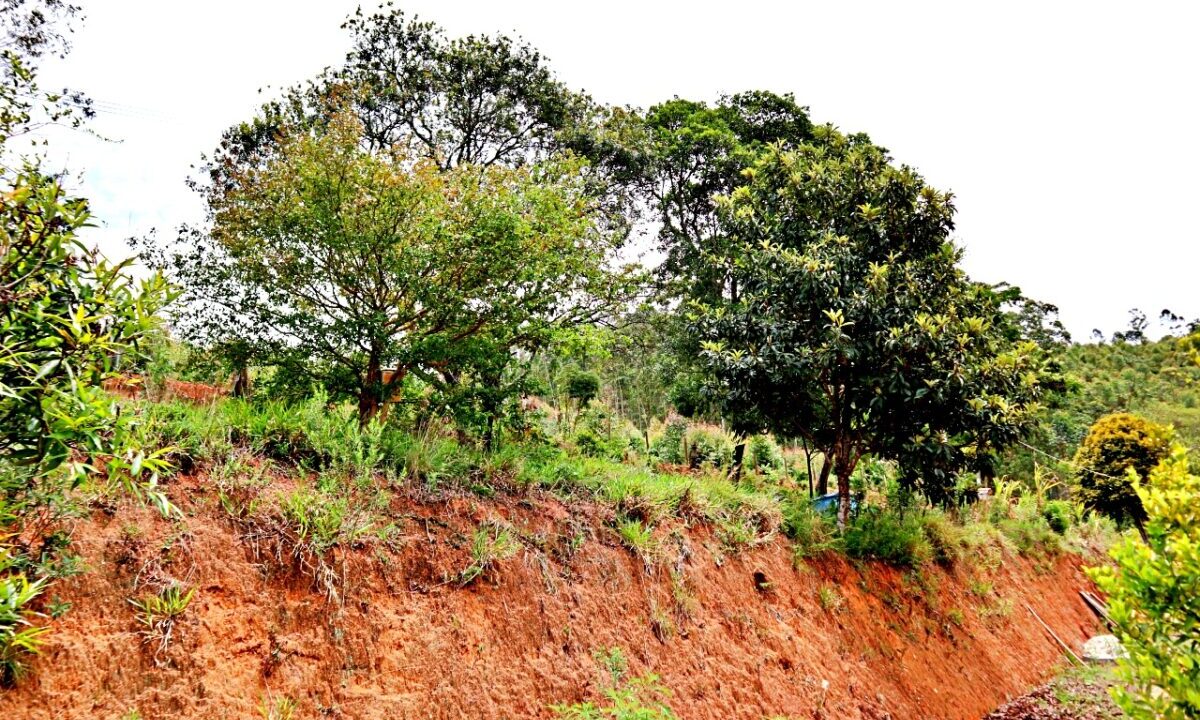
(1153, 598)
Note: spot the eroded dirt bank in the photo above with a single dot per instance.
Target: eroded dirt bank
(734, 634)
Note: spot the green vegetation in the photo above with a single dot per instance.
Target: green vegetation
(415, 287)
(1153, 599)
(159, 613)
(1116, 445)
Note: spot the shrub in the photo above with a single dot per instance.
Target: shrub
(1114, 445)
(710, 445)
(1059, 514)
(763, 454)
(812, 531)
(668, 447)
(1153, 599)
(897, 539)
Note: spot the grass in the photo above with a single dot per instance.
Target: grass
(158, 614)
(638, 537)
(491, 543)
(830, 599)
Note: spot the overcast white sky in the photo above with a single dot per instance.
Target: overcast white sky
(1067, 130)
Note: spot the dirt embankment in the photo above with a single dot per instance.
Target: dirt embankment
(734, 634)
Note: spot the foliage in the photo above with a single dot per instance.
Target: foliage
(490, 544)
(641, 698)
(1153, 600)
(31, 31)
(19, 638)
(65, 314)
(669, 446)
(364, 261)
(853, 326)
(763, 453)
(582, 386)
(898, 539)
(1116, 445)
(1059, 515)
(708, 445)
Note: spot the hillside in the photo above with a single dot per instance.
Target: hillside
(391, 625)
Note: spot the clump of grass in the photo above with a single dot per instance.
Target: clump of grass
(1028, 530)
(491, 543)
(638, 537)
(283, 708)
(812, 532)
(946, 538)
(320, 521)
(830, 599)
(896, 539)
(158, 615)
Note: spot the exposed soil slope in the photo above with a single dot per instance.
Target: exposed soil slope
(733, 634)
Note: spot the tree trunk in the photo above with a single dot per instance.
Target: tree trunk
(823, 480)
(241, 382)
(845, 468)
(808, 462)
(370, 394)
(739, 454)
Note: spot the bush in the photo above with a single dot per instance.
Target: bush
(1114, 445)
(763, 454)
(1059, 514)
(668, 447)
(710, 445)
(877, 534)
(1153, 599)
(1028, 529)
(812, 531)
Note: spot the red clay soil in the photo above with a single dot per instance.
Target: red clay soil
(734, 635)
(134, 386)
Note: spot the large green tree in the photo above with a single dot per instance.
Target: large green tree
(359, 260)
(853, 326)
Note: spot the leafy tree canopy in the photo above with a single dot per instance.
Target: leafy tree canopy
(1115, 445)
(853, 326)
(358, 260)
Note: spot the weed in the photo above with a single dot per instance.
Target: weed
(642, 698)
(614, 663)
(490, 544)
(57, 607)
(955, 616)
(283, 708)
(639, 538)
(159, 613)
(830, 599)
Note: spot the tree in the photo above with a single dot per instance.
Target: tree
(854, 328)
(1152, 597)
(694, 153)
(30, 31)
(357, 261)
(1115, 445)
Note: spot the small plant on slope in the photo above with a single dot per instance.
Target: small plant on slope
(490, 544)
(641, 698)
(157, 614)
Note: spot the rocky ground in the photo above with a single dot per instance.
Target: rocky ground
(1080, 694)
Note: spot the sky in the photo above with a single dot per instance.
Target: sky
(1067, 130)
